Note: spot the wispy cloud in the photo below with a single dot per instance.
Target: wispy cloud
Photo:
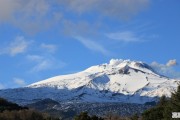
(112, 8)
(92, 45)
(2, 86)
(167, 69)
(17, 46)
(35, 15)
(80, 28)
(43, 63)
(40, 15)
(40, 8)
(49, 47)
(19, 81)
(125, 36)
(35, 58)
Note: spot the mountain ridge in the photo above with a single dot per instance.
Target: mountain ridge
(117, 81)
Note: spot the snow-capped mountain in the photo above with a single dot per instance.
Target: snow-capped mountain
(119, 81)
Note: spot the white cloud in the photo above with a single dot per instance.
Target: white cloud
(171, 63)
(30, 16)
(35, 58)
(112, 8)
(125, 36)
(49, 47)
(92, 45)
(38, 9)
(7, 8)
(39, 15)
(79, 28)
(2, 86)
(19, 81)
(44, 63)
(10, 8)
(166, 69)
(18, 46)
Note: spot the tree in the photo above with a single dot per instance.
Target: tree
(12, 111)
(175, 100)
(134, 117)
(6, 105)
(163, 101)
(165, 107)
(157, 112)
(94, 117)
(173, 104)
(85, 116)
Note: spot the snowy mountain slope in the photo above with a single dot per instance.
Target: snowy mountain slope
(119, 81)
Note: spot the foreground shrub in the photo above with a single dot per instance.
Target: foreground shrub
(85, 116)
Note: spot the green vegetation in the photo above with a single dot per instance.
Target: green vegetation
(12, 111)
(5, 105)
(109, 116)
(134, 117)
(24, 115)
(85, 116)
(163, 110)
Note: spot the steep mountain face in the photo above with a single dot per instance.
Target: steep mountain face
(119, 81)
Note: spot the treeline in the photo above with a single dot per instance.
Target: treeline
(12, 111)
(5, 105)
(162, 111)
(110, 116)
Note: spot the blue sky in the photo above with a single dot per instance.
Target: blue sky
(44, 38)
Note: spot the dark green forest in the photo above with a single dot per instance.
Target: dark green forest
(12, 111)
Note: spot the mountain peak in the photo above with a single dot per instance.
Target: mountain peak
(140, 64)
(116, 64)
(116, 81)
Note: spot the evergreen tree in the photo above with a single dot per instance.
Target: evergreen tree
(134, 117)
(83, 116)
(175, 100)
(157, 112)
(163, 101)
(94, 117)
(163, 110)
(12, 111)
(6, 105)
